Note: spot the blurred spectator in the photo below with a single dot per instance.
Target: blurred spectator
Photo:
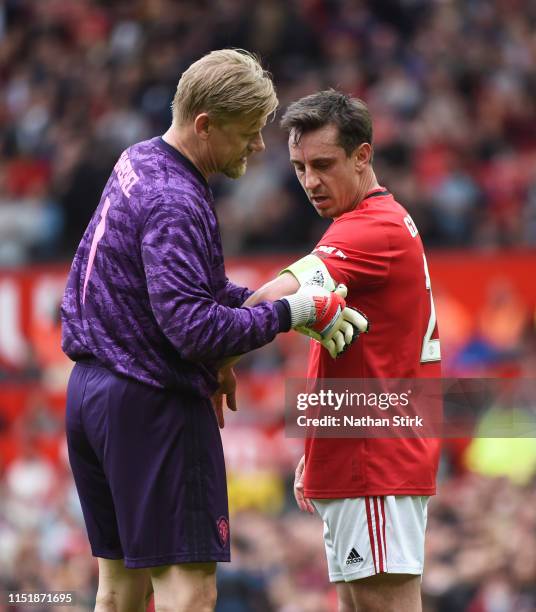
(497, 341)
(29, 481)
(30, 222)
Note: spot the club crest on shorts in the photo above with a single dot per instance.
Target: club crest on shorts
(223, 530)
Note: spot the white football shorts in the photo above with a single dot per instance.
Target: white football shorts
(372, 535)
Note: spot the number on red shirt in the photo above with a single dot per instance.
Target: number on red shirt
(431, 349)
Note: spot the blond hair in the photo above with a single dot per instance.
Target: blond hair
(224, 84)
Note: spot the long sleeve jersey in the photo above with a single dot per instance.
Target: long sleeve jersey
(147, 295)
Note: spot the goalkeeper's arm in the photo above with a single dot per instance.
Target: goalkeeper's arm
(311, 303)
(297, 284)
(273, 290)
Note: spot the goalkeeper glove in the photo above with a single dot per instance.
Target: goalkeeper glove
(323, 315)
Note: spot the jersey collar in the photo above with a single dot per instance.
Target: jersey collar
(184, 161)
(376, 193)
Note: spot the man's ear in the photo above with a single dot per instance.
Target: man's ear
(202, 125)
(363, 156)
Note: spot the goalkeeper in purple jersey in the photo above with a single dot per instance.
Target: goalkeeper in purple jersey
(148, 314)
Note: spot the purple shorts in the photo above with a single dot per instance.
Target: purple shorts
(149, 469)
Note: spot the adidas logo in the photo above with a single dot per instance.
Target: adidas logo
(354, 557)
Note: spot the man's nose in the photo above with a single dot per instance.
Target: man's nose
(257, 144)
(311, 180)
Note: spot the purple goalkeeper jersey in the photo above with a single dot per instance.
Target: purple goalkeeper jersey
(147, 295)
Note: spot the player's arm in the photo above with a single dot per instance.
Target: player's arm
(310, 274)
(177, 259)
(304, 504)
(356, 254)
(234, 295)
(285, 284)
(307, 271)
(288, 282)
(270, 292)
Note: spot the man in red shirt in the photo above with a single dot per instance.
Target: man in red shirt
(371, 493)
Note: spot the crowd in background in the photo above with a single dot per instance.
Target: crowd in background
(451, 86)
(452, 89)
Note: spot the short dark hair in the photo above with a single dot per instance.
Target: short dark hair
(350, 115)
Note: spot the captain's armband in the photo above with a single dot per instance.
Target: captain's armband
(311, 271)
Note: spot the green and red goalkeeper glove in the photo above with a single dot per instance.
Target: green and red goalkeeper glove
(324, 316)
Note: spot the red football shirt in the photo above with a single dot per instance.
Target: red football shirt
(375, 250)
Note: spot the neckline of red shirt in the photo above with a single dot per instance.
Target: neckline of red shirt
(376, 193)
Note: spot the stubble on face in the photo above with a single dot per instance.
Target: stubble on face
(246, 130)
(236, 170)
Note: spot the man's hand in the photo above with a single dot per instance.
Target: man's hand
(324, 316)
(341, 339)
(227, 381)
(304, 504)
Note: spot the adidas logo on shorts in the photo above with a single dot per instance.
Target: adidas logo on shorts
(354, 557)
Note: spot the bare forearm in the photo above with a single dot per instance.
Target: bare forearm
(286, 284)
